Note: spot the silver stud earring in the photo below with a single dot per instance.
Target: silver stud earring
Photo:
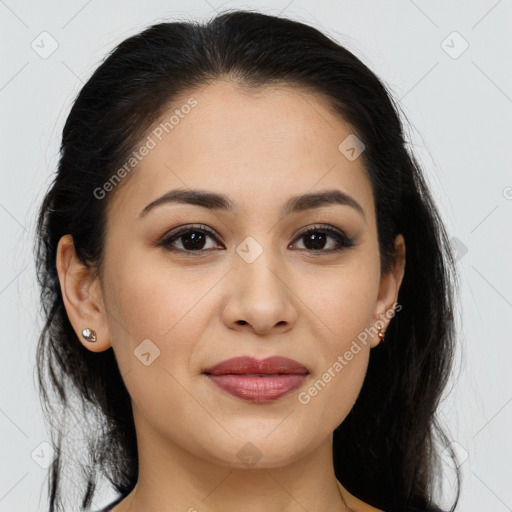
(89, 334)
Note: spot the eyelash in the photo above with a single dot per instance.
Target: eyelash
(344, 242)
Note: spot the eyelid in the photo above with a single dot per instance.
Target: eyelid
(320, 227)
(178, 231)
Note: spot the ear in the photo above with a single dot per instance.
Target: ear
(82, 296)
(388, 291)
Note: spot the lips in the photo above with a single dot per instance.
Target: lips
(256, 380)
(252, 366)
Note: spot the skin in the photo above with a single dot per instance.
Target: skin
(259, 148)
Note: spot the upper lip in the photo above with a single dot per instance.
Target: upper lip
(251, 365)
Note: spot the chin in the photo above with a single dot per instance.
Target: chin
(260, 450)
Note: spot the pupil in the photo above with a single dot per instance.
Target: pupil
(318, 240)
(194, 237)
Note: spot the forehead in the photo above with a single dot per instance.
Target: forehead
(259, 146)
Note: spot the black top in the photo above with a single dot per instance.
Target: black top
(114, 503)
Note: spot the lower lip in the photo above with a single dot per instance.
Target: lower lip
(258, 388)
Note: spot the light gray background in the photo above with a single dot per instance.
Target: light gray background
(460, 111)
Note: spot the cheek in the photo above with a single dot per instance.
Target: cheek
(152, 310)
(154, 316)
(151, 298)
(341, 302)
(341, 305)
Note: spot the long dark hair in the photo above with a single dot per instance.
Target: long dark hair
(385, 450)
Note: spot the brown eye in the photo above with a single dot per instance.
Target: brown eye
(191, 239)
(315, 239)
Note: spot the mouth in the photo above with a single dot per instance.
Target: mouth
(256, 380)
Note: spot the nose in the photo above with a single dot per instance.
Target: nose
(261, 298)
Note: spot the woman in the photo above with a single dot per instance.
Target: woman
(245, 279)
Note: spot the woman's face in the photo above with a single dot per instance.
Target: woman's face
(245, 281)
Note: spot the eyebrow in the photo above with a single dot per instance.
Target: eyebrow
(215, 201)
